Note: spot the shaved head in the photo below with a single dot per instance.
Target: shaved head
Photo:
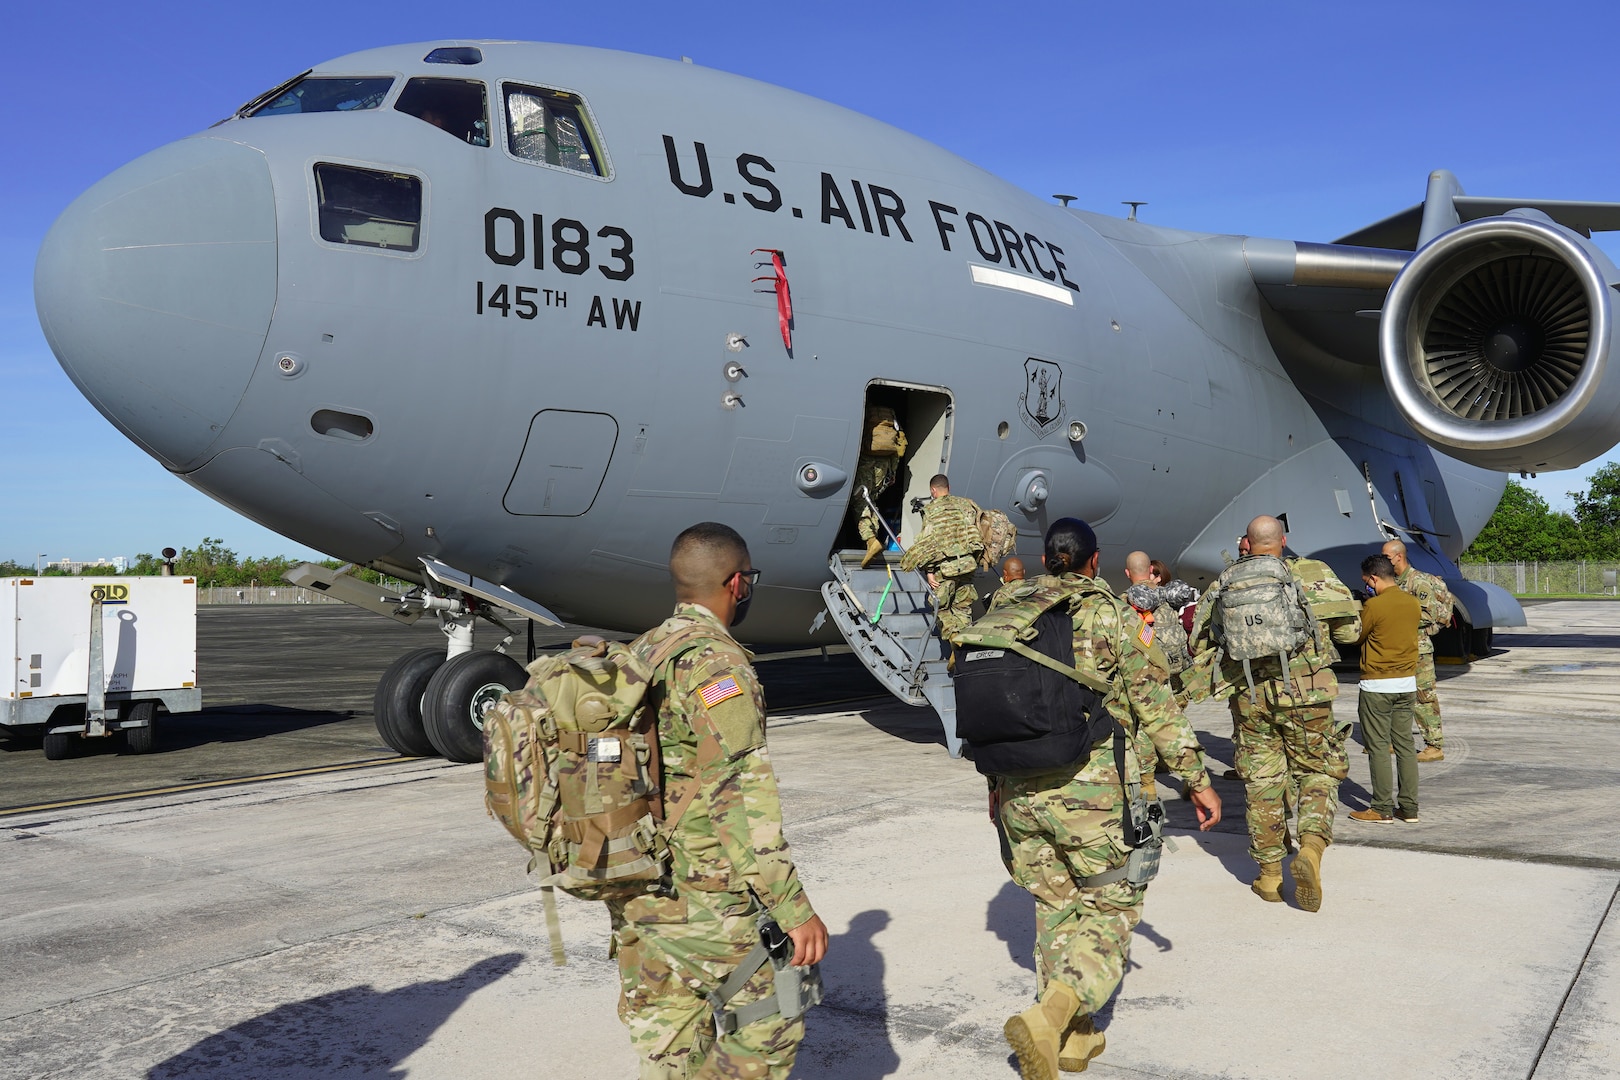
(940, 482)
(1012, 569)
(1138, 567)
(1266, 536)
(703, 558)
(1395, 551)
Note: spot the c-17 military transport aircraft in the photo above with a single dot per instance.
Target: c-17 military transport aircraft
(503, 318)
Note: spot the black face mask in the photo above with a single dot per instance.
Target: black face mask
(741, 612)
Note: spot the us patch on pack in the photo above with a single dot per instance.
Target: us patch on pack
(1145, 634)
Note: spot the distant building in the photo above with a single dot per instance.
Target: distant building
(117, 565)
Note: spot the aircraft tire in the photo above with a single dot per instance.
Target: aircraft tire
(58, 745)
(459, 694)
(141, 740)
(397, 704)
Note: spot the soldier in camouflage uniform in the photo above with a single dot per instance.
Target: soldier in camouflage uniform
(1064, 827)
(874, 475)
(1285, 730)
(947, 550)
(1435, 599)
(1013, 586)
(728, 855)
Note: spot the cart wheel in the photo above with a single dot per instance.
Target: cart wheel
(140, 740)
(458, 696)
(58, 745)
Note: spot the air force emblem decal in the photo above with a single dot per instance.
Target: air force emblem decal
(1041, 403)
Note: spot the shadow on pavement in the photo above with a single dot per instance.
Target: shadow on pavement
(358, 1030)
(1010, 915)
(854, 976)
(239, 723)
(904, 722)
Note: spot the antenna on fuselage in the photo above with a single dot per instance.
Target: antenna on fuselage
(1133, 206)
(1065, 199)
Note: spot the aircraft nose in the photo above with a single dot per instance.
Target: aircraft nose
(155, 289)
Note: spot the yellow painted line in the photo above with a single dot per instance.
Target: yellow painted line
(203, 786)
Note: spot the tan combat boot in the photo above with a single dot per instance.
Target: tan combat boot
(1035, 1033)
(1307, 869)
(1082, 1043)
(874, 548)
(1268, 886)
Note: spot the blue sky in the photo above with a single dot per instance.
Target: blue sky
(1273, 119)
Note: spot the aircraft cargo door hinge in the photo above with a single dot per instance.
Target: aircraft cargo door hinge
(779, 285)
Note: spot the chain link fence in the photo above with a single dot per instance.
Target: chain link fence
(1583, 578)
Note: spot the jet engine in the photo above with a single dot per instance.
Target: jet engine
(1497, 344)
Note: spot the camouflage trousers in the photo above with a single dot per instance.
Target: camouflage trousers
(672, 953)
(953, 601)
(876, 475)
(1283, 747)
(1059, 828)
(1427, 710)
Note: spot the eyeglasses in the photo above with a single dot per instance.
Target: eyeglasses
(751, 576)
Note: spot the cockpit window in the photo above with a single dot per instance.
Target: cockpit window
(454, 54)
(322, 94)
(368, 207)
(551, 127)
(459, 106)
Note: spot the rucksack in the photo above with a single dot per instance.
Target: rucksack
(572, 770)
(1000, 537)
(883, 435)
(1021, 704)
(1260, 612)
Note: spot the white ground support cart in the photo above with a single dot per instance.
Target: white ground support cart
(96, 655)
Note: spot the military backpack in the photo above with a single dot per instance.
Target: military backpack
(883, 435)
(572, 770)
(1021, 704)
(1259, 612)
(1000, 537)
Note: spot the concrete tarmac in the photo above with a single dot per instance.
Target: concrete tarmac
(377, 923)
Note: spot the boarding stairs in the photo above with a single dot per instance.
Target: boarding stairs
(887, 616)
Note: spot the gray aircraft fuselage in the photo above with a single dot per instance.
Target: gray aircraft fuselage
(569, 368)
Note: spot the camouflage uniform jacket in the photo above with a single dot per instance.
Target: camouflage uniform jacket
(1108, 642)
(1435, 600)
(950, 532)
(1010, 592)
(1310, 671)
(730, 838)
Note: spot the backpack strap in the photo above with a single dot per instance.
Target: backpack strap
(708, 751)
(1102, 686)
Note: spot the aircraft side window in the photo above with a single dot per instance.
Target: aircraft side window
(551, 127)
(368, 207)
(459, 106)
(322, 94)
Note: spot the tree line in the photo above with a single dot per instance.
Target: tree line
(210, 562)
(1524, 528)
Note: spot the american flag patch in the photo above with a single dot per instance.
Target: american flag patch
(718, 691)
(1145, 635)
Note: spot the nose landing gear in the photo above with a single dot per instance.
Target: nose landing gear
(433, 701)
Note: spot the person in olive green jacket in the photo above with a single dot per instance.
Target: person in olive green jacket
(1390, 622)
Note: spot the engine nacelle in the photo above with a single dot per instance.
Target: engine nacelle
(1497, 345)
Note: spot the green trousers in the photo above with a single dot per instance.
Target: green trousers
(1386, 717)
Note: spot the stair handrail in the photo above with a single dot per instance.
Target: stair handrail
(866, 494)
